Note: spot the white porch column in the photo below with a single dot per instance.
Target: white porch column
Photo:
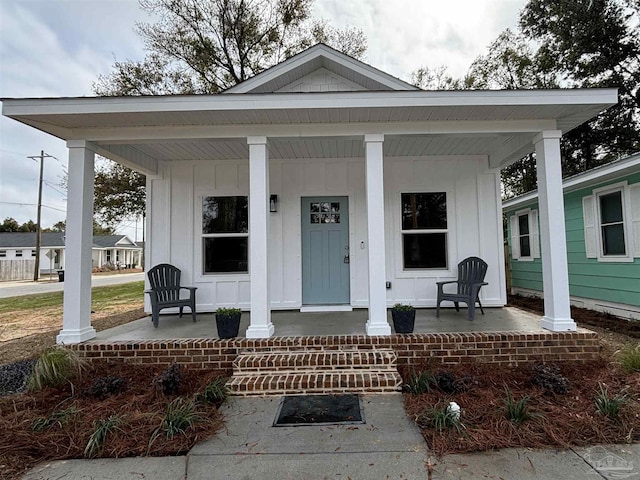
(261, 326)
(555, 275)
(377, 323)
(76, 325)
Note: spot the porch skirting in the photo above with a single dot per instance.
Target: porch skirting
(413, 350)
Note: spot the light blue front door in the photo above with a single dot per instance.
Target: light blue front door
(325, 250)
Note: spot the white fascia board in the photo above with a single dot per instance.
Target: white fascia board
(15, 107)
(594, 176)
(126, 135)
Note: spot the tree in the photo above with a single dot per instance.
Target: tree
(98, 229)
(592, 43)
(206, 46)
(119, 193)
(10, 225)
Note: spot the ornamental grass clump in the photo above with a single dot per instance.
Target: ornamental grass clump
(101, 429)
(59, 418)
(420, 382)
(57, 365)
(215, 391)
(609, 406)
(629, 358)
(517, 411)
(440, 419)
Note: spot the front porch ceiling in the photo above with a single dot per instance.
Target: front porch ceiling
(140, 131)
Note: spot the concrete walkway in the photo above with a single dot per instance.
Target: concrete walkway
(387, 446)
(27, 287)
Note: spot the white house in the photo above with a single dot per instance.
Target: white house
(313, 184)
(18, 250)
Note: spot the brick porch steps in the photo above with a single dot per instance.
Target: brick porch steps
(302, 372)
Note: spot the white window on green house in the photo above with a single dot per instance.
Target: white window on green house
(225, 235)
(525, 238)
(424, 230)
(612, 223)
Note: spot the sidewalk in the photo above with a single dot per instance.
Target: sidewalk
(387, 446)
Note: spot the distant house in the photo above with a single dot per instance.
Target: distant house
(18, 251)
(602, 219)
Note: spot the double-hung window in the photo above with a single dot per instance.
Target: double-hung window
(18, 253)
(424, 230)
(3, 253)
(525, 244)
(225, 234)
(612, 223)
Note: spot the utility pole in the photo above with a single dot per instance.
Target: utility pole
(42, 156)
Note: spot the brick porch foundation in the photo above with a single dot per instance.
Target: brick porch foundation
(503, 348)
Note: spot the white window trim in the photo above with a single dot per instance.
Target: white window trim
(534, 235)
(446, 231)
(202, 236)
(622, 187)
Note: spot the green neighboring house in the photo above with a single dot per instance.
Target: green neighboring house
(602, 221)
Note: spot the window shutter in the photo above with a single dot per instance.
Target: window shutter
(535, 235)
(634, 195)
(515, 240)
(589, 215)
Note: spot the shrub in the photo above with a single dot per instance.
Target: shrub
(228, 312)
(54, 367)
(629, 358)
(419, 383)
(102, 387)
(101, 428)
(215, 391)
(549, 378)
(609, 406)
(169, 381)
(403, 308)
(448, 383)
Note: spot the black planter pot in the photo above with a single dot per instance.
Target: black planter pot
(228, 325)
(403, 321)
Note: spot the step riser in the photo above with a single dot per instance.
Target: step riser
(314, 361)
(298, 383)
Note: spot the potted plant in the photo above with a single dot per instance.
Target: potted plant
(228, 322)
(404, 318)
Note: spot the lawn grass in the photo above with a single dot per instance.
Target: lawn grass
(101, 297)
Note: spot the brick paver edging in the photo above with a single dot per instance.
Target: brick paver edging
(505, 348)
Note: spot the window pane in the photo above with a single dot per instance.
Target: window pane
(424, 211)
(611, 207)
(525, 247)
(523, 224)
(425, 250)
(225, 254)
(225, 215)
(613, 240)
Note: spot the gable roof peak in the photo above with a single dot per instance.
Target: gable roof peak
(314, 58)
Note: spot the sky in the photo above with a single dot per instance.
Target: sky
(57, 48)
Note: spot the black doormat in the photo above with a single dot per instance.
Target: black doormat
(302, 410)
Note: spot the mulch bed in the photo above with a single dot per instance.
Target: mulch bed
(141, 405)
(560, 420)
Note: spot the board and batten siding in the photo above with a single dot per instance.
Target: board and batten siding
(174, 224)
(614, 282)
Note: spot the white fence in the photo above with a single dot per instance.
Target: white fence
(21, 269)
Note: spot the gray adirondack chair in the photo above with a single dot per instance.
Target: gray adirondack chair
(165, 291)
(471, 272)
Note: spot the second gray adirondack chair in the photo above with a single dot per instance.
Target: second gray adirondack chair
(471, 272)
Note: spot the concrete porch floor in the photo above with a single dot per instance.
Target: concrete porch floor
(293, 323)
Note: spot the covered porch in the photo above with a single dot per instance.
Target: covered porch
(293, 323)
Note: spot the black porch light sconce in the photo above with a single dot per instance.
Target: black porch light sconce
(273, 203)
